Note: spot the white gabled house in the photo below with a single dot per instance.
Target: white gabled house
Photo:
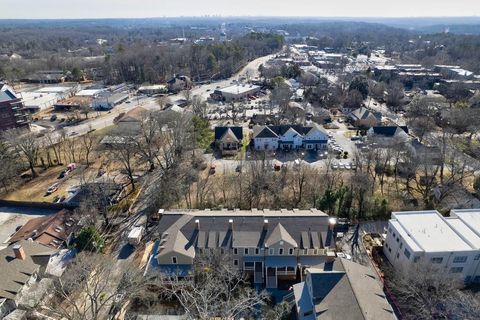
(289, 137)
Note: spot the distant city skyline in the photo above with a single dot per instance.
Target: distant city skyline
(79, 9)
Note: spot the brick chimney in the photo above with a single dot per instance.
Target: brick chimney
(19, 252)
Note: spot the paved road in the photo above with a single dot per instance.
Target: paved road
(250, 70)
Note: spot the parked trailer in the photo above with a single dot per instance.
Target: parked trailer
(135, 235)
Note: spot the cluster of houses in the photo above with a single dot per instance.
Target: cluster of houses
(34, 256)
(416, 74)
(291, 251)
(294, 252)
(270, 138)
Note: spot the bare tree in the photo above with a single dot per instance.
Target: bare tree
(125, 151)
(88, 142)
(25, 145)
(187, 95)
(92, 284)
(424, 291)
(163, 102)
(216, 290)
(199, 106)
(8, 163)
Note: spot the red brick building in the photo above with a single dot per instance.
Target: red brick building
(12, 111)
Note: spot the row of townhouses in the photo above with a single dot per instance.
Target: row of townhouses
(288, 251)
(270, 246)
(290, 137)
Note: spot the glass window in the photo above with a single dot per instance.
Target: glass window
(257, 251)
(249, 264)
(401, 245)
(245, 251)
(477, 257)
(407, 253)
(235, 251)
(460, 259)
(437, 260)
(456, 270)
(271, 251)
(290, 251)
(235, 262)
(415, 259)
(280, 251)
(174, 260)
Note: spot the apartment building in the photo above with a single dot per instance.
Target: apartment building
(272, 247)
(12, 110)
(452, 243)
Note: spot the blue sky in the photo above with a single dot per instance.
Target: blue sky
(19, 9)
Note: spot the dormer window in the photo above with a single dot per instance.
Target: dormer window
(280, 251)
(290, 251)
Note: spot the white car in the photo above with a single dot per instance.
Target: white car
(341, 165)
(334, 166)
(347, 166)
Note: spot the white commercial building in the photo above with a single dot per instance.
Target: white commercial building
(236, 92)
(452, 243)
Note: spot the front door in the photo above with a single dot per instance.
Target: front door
(258, 272)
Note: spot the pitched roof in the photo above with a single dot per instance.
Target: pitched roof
(363, 113)
(389, 131)
(279, 130)
(306, 227)
(16, 272)
(345, 290)
(175, 241)
(52, 230)
(6, 93)
(134, 115)
(233, 132)
(280, 234)
(265, 132)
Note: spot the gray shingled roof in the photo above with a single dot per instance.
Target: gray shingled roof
(280, 234)
(16, 272)
(347, 290)
(305, 227)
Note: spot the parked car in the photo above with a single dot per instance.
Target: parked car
(53, 188)
(53, 117)
(62, 174)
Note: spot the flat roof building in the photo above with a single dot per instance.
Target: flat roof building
(451, 242)
(236, 92)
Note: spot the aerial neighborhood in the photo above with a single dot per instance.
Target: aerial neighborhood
(239, 168)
